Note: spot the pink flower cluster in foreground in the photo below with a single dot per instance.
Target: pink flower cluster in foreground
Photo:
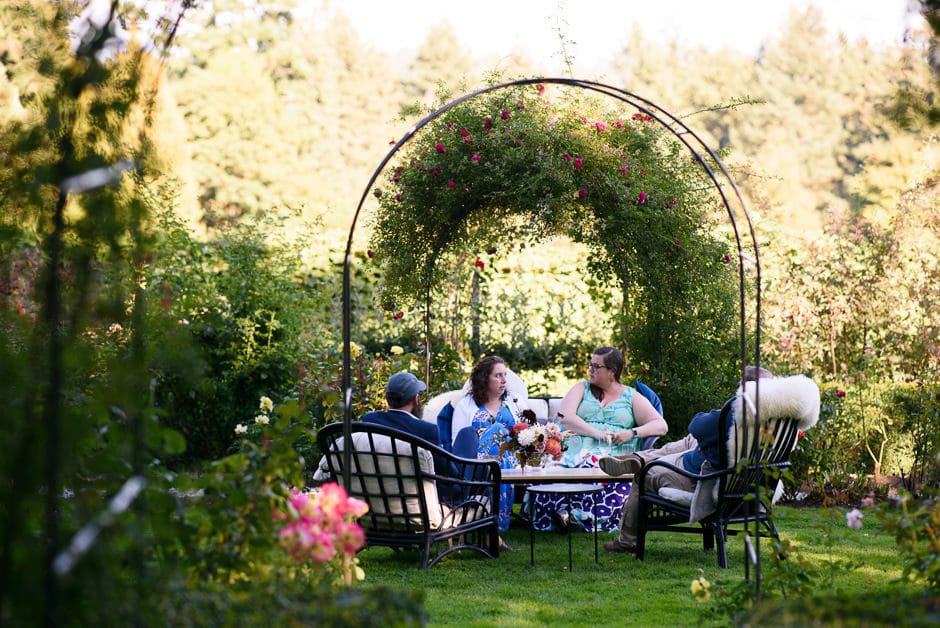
(322, 525)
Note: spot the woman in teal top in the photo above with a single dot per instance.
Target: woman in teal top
(596, 412)
(615, 417)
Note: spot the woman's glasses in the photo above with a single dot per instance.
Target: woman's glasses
(593, 367)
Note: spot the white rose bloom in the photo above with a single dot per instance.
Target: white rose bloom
(241, 429)
(526, 437)
(396, 350)
(262, 419)
(266, 404)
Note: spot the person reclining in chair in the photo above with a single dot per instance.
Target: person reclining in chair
(702, 443)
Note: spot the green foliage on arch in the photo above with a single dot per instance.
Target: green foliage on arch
(525, 164)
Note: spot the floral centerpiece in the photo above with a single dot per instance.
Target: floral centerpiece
(533, 444)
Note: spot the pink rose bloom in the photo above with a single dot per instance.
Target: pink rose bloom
(566, 156)
(541, 89)
(351, 538)
(475, 158)
(578, 162)
(451, 183)
(332, 499)
(322, 549)
(642, 198)
(600, 126)
(356, 507)
(464, 132)
(297, 539)
(505, 114)
(582, 192)
(487, 122)
(840, 394)
(440, 148)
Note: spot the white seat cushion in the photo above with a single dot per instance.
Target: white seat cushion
(433, 407)
(539, 407)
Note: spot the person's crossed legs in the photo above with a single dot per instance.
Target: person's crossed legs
(656, 478)
(632, 463)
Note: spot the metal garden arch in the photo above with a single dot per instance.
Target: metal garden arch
(748, 257)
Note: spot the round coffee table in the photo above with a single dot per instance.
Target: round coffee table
(567, 490)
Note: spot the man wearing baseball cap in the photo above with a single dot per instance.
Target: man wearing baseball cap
(403, 396)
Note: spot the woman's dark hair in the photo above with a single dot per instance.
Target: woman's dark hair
(613, 360)
(480, 378)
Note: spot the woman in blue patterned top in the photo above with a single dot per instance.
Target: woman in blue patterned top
(483, 420)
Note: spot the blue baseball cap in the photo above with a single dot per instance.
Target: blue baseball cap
(404, 386)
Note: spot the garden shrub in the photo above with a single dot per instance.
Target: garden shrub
(287, 602)
(916, 412)
(321, 385)
(864, 434)
(878, 608)
(916, 526)
(241, 300)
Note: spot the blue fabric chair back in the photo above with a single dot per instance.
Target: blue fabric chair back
(650, 441)
(647, 392)
(444, 420)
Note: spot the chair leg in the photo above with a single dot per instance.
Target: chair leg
(772, 528)
(425, 554)
(640, 544)
(721, 540)
(708, 539)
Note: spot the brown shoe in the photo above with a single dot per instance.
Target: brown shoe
(619, 548)
(621, 465)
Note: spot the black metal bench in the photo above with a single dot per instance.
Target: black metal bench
(412, 505)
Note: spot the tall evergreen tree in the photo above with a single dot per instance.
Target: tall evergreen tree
(440, 63)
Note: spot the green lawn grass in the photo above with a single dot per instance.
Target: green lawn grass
(466, 589)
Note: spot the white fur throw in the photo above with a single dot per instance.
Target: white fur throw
(795, 396)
